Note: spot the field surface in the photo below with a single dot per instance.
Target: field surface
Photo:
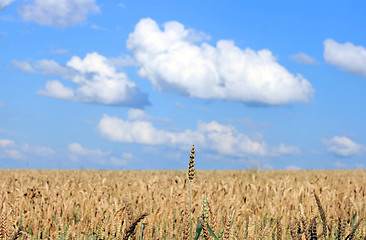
(85, 204)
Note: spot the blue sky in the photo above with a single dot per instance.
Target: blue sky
(133, 84)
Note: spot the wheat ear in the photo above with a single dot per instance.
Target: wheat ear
(191, 174)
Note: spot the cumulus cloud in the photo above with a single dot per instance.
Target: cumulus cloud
(51, 67)
(60, 13)
(78, 149)
(303, 58)
(224, 139)
(56, 89)
(5, 3)
(346, 56)
(175, 61)
(23, 66)
(343, 146)
(96, 80)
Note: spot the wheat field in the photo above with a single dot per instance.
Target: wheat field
(88, 204)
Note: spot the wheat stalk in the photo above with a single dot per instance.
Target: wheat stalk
(191, 174)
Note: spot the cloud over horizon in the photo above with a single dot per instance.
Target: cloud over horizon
(343, 146)
(346, 56)
(10, 150)
(174, 61)
(224, 139)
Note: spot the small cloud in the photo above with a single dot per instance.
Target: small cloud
(4, 143)
(303, 58)
(14, 154)
(38, 150)
(339, 164)
(284, 149)
(52, 68)
(121, 5)
(97, 27)
(346, 56)
(360, 166)
(134, 114)
(179, 105)
(121, 161)
(343, 146)
(78, 149)
(8, 149)
(61, 13)
(23, 66)
(3, 34)
(5, 3)
(57, 90)
(59, 51)
(1, 104)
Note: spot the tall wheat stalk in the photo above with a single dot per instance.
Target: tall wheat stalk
(190, 178)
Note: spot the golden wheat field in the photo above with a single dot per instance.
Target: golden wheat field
(86, 204)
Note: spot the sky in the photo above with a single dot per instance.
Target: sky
(88, 84)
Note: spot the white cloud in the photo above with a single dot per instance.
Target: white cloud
(9, 149)
(23, 66)
(137, 114)
(12, 153)
(284, 149)
(123, 160)
(6, 143)
(38, 150)
(347, 56)
(5, 3)
(78, 149)
(96, 80)
(303, 58)
(343, 146)
(60, 13)
(173, 61)
(55, 89)
(214, 136)
(51, 67)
